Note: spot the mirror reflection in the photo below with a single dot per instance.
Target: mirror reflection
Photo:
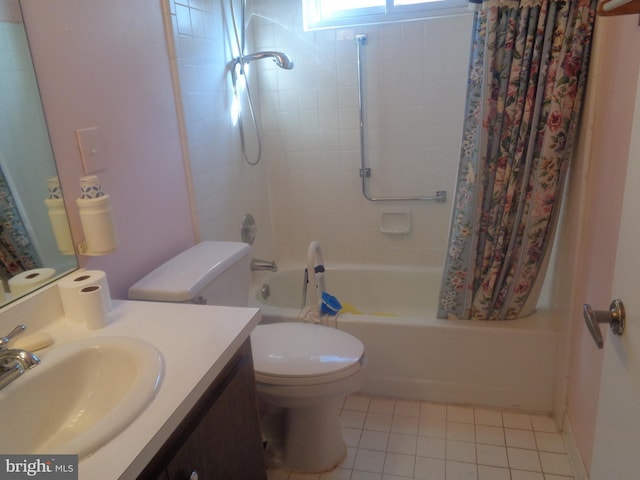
(30, 254)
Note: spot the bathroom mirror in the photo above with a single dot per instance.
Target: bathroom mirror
(27, 241)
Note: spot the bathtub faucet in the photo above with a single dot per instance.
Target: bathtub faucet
(263, 265)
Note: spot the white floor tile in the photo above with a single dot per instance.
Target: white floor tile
(381, 405)
(520, 438)
(404, 444)
(521, 459)
(406, 425)
(461, 451)
(407, 408)
(431, 447)
(459, 414)
(517, 420)
(492, 418)
(432, 428)
(490, 435)
(492, 455)
(378, 421)
(429, 468)
(522, 475)
(402, 465)
(369, 460)
(550, 442)
(433, 411)
(461, 471)
(493, 473)
(461, 431)
(393, 439)
(556, 463)
(543, 423)
(372, 440)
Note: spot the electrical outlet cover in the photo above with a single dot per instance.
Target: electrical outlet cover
(91, 150)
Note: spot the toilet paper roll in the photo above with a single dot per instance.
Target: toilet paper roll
(29, 279)
(70, 287)
(90, 306)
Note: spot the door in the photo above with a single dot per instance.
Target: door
(616, 453)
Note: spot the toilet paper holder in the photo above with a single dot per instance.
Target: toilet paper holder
(615, 317)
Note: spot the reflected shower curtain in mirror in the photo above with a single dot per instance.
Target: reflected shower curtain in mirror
(527, 77)
(17, 253)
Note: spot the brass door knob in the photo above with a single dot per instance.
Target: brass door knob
(615, 317)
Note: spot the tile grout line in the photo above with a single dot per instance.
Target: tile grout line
(382, 421)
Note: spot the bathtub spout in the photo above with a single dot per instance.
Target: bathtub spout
(258, 264)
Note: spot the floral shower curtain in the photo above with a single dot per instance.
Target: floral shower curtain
(527, 78)
(16, 250)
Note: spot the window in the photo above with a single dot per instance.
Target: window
(320, 14)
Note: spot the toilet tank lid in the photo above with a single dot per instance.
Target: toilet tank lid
(182, 277)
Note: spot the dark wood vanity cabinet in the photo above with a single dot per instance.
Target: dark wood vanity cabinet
(220, 438)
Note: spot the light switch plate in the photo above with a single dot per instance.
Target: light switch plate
(91, 151)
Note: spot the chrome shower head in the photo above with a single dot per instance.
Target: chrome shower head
(281, 59)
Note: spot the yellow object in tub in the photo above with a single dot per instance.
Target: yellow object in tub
(348, 308)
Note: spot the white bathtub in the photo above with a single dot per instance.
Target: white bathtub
(413, 355)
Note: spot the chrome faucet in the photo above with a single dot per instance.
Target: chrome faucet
(14, 361)
(259, 265)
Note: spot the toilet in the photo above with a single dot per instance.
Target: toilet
(302, 370)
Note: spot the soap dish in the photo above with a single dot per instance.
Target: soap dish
(395, 221)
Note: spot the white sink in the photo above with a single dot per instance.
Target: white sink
(79, 397)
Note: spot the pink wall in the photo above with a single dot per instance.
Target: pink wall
(613, 92)
(105, 64)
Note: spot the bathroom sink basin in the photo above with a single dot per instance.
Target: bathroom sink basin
(80, 396)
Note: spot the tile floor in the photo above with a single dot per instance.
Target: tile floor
(391, 439)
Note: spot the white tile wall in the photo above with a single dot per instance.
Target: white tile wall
(415, 82)
(225, 187)
(307, 186)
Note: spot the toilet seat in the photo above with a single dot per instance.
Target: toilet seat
(292, 353)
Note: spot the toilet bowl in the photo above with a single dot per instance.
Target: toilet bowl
(302, 370)
(307, 370)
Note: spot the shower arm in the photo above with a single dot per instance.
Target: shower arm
(365, 172)
(279, 58)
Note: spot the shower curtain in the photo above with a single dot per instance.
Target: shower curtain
(527, 77)
(17, 253)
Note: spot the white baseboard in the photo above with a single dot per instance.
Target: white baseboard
(577, 465)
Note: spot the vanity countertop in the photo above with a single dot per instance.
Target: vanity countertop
(195, 341)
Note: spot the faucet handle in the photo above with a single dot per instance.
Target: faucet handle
(4, 340)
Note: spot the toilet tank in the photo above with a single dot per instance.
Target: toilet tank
(215, 273)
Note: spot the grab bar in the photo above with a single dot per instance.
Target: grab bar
(365, 172)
